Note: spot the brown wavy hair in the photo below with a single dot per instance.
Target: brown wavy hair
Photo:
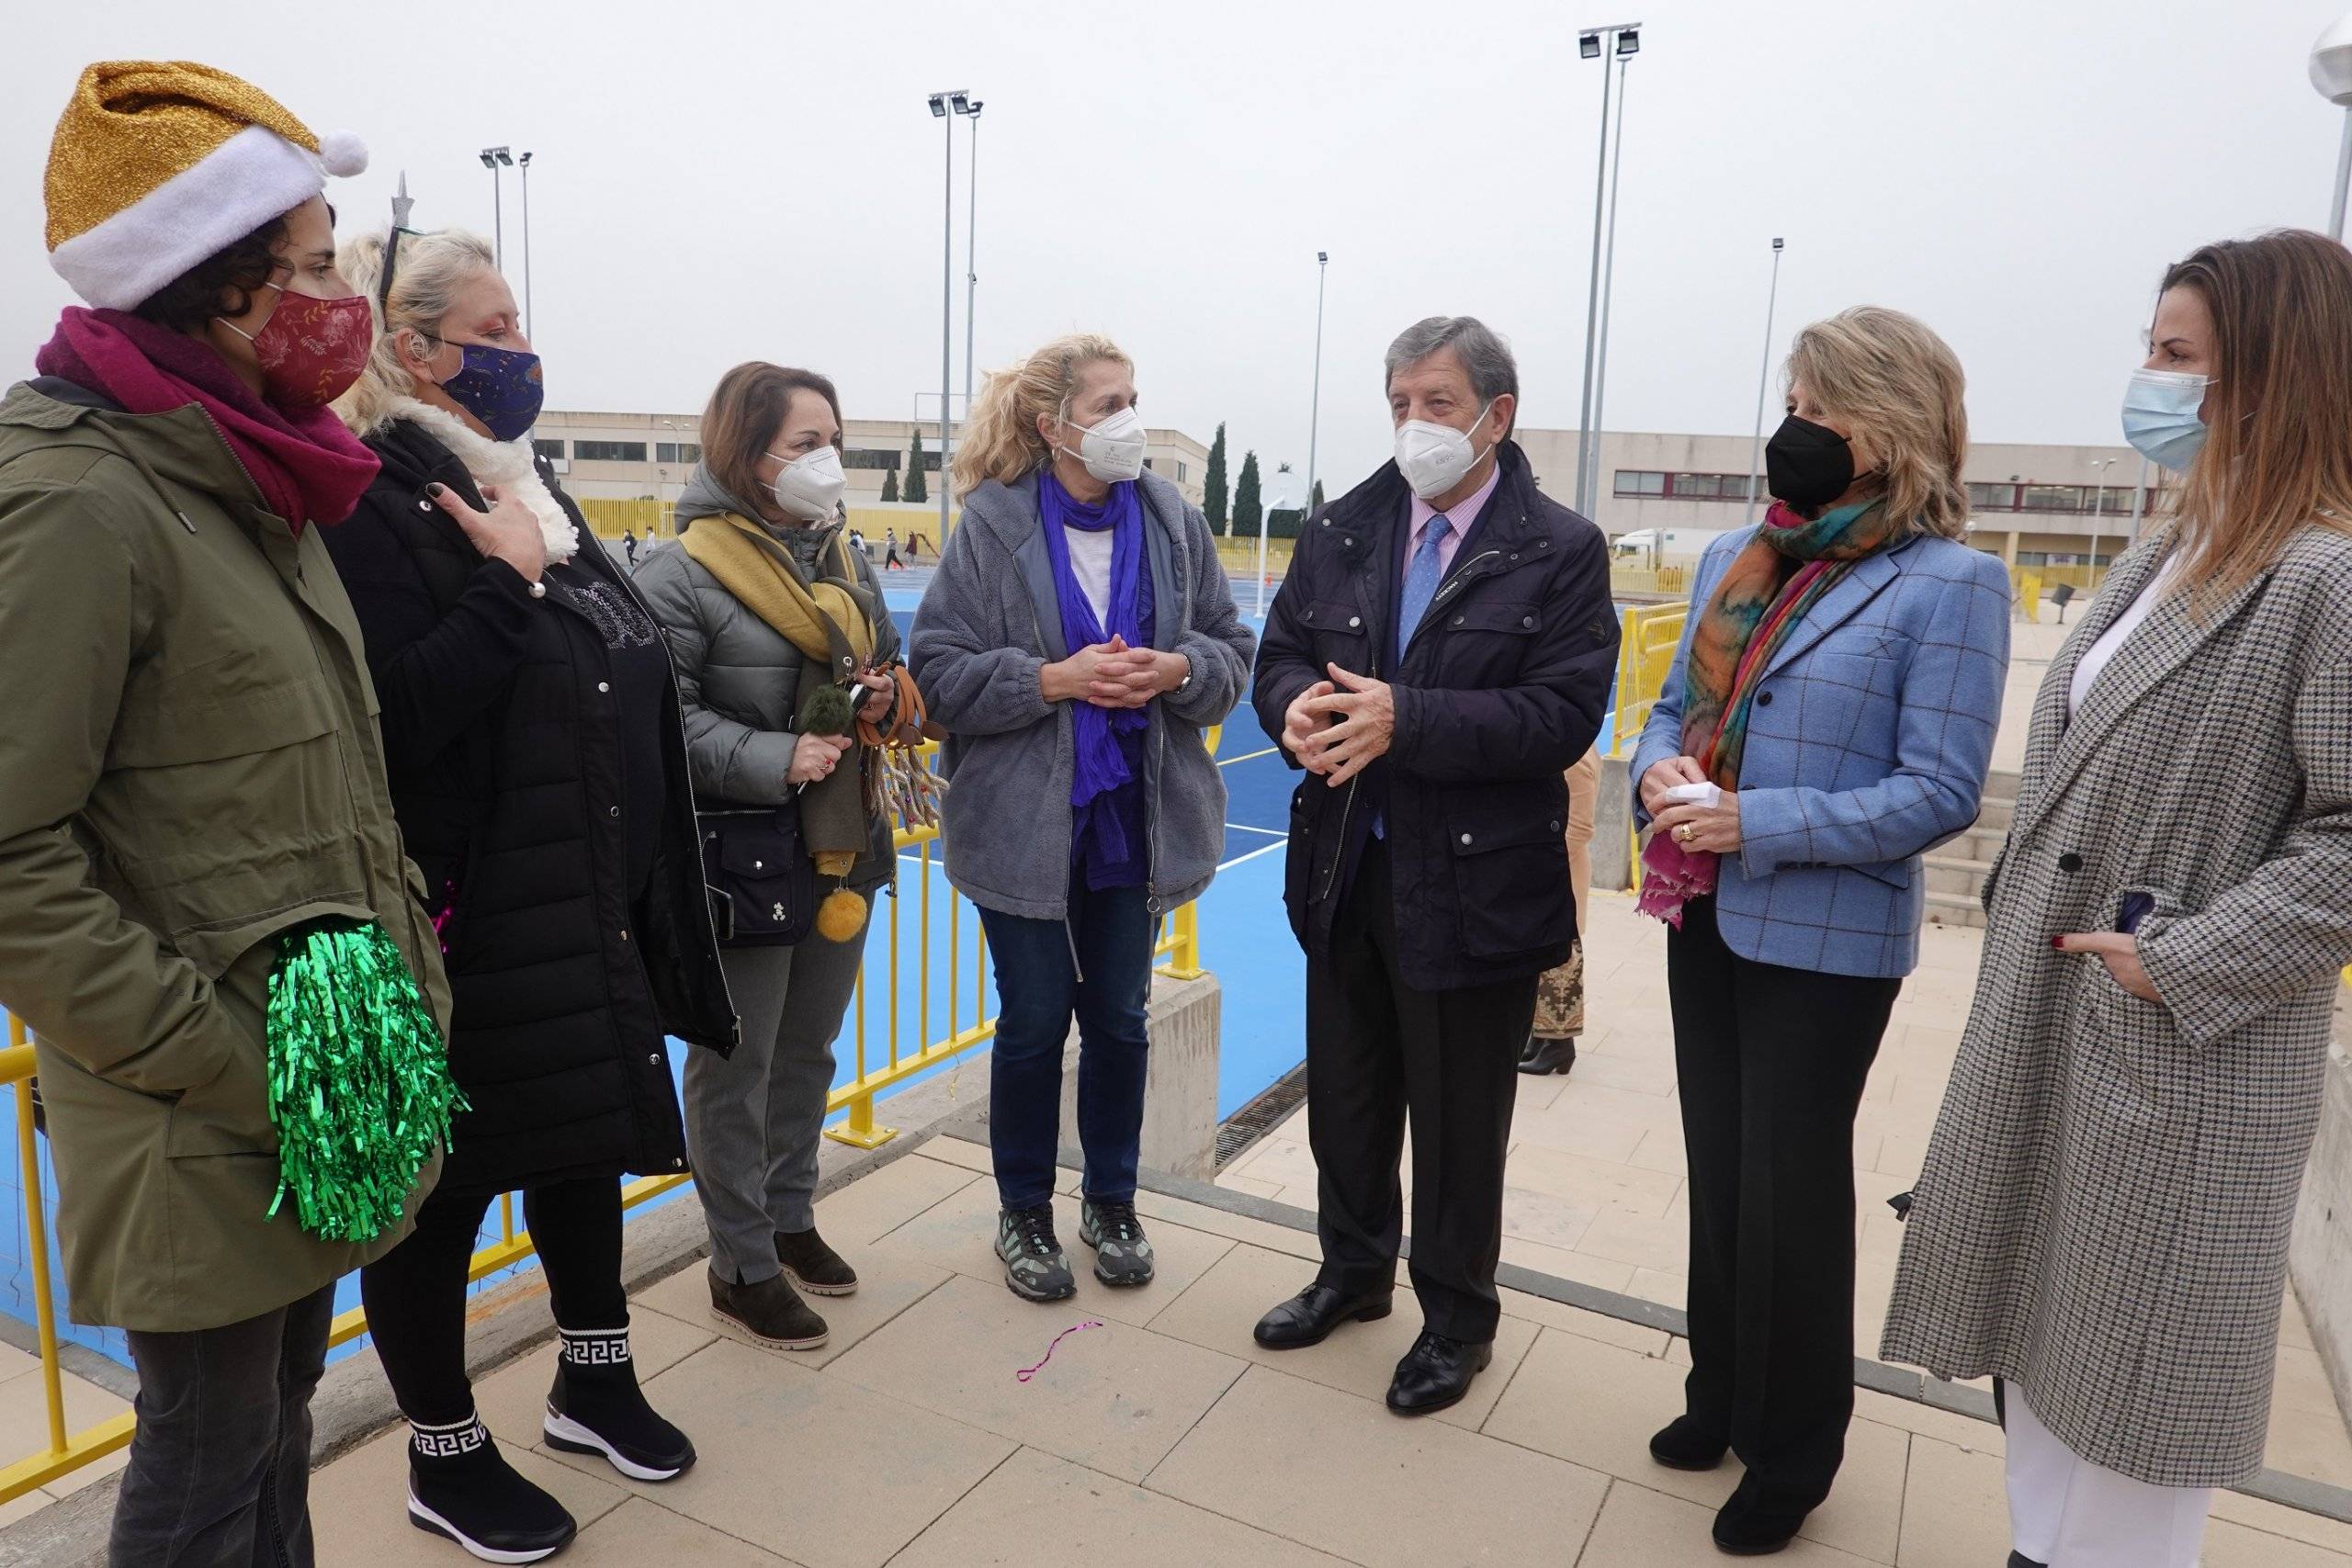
(745, 410)
(2278, 452)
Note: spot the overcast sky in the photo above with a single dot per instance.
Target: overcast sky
(719, 180)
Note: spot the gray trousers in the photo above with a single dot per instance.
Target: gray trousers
(754, 1119)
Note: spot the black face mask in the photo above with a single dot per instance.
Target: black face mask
(1807, 465)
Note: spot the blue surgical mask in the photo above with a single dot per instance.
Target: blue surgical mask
(501, 387)
(2160, 416)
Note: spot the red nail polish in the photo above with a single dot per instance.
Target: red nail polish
(2058, 942)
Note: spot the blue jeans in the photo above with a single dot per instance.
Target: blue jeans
(1038, 990)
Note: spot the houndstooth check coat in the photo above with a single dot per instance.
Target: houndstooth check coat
(2103, 1215)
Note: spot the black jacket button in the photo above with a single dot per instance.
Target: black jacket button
(1763, 699)
(2070, 861)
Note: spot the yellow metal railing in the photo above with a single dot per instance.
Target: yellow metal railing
(1664, 579)
(1179, 943)
(2029, 587)
(1649, 636)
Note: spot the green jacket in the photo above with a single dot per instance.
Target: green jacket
(189, 765)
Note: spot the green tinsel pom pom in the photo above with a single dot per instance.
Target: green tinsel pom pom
(359, 1086)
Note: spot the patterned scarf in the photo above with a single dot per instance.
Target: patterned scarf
(1766, 592)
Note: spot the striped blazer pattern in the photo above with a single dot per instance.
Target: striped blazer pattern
(2104, 1210)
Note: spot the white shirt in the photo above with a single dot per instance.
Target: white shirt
(2096, 657)
(1090, 563)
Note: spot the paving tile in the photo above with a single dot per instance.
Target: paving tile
(1927, 1420)
(1316, 1466)
(15, 1363)
(24, 1412)
(887, 1284)
(1955, 1509)
(1641, 1529)
(1664, 1246)
(1219, 1309)
(959, 1233)
(359, 1504)
(1249, 1185)
(2273, 1518)
(1596, 1184)
(1596, 1405)
(1116, 1398)
(1607, 1330)
(640, 1531)
(1042, 1512)
(1580, 1268)
(759, 1418)
(883, 1199)
(1549, 1219)
(1265, 1233)
(1658, 1285)
(1865, 1513)
(1279, 1159)
(1662, 1149)
(2231, 1542)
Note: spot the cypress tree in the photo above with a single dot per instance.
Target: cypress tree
(890, 485)
(1248, 512)
(915, 489)
(1213, 503)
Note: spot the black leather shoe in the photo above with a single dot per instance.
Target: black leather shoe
(1756, 1522)
(1683, 1444)
(1539, 1056)
(1308, 1317)
(2019, 1559)
(1435, 1374)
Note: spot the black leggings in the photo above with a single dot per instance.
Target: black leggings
(415, 1294)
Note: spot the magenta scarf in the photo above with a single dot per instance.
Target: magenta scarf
(308, 467)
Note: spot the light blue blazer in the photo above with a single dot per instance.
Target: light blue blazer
(1867, 746)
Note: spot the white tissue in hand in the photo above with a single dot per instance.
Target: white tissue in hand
(1707, 794)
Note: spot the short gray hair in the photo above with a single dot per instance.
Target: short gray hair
(1481, 349)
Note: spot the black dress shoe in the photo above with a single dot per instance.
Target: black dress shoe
(1308, 1317)
(1540, 1055)
(2019, 1559)
(1683, 1444)
(1757, 1522)
(1435, 1374)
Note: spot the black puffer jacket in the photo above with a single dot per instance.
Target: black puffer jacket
(1501, 689)
(506, 779)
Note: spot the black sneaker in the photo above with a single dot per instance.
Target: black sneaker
(596, 1407)
(461, 1488)
(1034, 1265)
(1122, 1252)
(814, 1266)
(771, 1312)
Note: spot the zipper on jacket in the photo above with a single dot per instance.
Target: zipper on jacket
(1347, 803)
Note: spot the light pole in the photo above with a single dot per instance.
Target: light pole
(2139, 501)
(2098, 506)
(940, 105)
(1763, 378)
(2331, 74)
(524, 163)
(1627, 38)
(1314, 414)
(494, 159)
(971, 246)
(1282, 494)
(1590, 501)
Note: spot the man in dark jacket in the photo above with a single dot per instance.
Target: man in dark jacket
(1439, 653)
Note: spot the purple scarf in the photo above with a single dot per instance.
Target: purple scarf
(1104, 792)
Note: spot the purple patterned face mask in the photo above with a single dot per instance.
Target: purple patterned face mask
(501, 387)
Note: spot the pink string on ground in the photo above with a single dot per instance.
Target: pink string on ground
(1025, 1373)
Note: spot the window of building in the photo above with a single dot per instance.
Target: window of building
(860, 459)
(1631, 482)
(2034, 557)
(552, 450)
(1992, 497)
(677, 452)
(608, 451)
(2054, 498)
(1181, 474)
(1147, 462)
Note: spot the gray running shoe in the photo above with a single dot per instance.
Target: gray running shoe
(1122, 1252)
(1034, 1265)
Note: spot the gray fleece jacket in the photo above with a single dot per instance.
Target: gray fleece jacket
(990, 623)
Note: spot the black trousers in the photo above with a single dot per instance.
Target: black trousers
(1379, 1052)
(1771, 1063)
(415, 1294)
(220, 1473)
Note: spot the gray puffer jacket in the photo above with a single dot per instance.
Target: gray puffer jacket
(737, 674)
(990, 623)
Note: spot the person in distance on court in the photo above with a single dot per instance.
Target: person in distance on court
(1077, 639)
(530, 724)
(1439, 653)
(2102, 1220)
(1832, 705)
(770, 615)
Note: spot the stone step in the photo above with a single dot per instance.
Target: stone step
(1954, 909)
(1955, 873)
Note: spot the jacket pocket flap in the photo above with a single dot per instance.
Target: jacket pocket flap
(1497, 615)
(208, 726)
(1332, 615)
(752, 848)
(1486, 838)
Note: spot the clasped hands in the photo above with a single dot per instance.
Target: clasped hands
(1112, 675)
(1693, 826)
(1340, 727)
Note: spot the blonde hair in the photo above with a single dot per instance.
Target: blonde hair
(1900, 388)
(428, 270)
(1000, 440)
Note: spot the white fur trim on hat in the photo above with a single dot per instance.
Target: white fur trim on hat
(249, 179)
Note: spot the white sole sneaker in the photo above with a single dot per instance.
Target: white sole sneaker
(427, 1520)
(731, 1321)
(563, 1432)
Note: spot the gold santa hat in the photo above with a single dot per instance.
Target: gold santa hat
(158, 165)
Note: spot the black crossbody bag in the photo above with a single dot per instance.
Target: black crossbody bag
(763, 884)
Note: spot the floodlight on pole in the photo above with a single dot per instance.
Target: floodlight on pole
(1763, 380)
(2099, 511)
(1588, 504)
(1314, 423)
(529, 320)
(2331, 70)
(971, 244)
(1589, 48)
(941, 103)
(495, 159)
